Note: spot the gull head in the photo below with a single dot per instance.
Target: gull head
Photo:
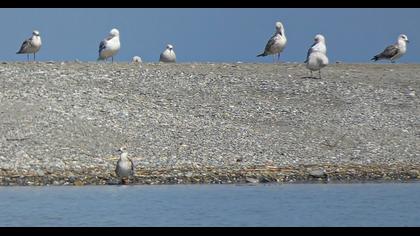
(114, 32)
(123, 152)
(279, 26)
(319, 38)
(35, 32)
(403, 37)
(169, 46)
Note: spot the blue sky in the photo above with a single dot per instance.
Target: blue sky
(209, 34)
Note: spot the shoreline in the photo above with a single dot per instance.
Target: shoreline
(264, 174)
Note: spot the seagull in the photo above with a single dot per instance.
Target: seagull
(316, 59)
(125, 166)
(136, 59)
(276, 43)
(395, 51)
(110, 45)
(168, 55)
(31, 45)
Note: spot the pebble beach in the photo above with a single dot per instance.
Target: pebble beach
(62, 122)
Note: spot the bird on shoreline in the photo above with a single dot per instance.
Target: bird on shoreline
(168, 55)
(395, 51)
(31, 45)
(316, 58)
(276, 43)
(125, 166)
(110, 45)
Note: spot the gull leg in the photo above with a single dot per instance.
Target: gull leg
(112, 59)
(320, 74)
(311, 74)
(34, 56)
(278, 57)
(27, 56)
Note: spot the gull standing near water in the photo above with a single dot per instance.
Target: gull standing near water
(110, 45)
(276, 44)
(316, 59)
(168, 55)
(31, 45)
(395, 51)
(125, 166)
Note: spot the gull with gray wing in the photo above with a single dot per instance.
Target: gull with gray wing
(168, 55)
(276, 44)
(125, 166)
(316, 58)
(395, 51)
(110, 46)
(31, 45)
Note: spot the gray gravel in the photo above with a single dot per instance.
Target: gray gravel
(66, 119)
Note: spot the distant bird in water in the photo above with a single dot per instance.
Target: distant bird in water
(125, 166)
(395, 51)
(168, 55)
(110, 46)
(276, 44)
(31, 45)
(316, 59)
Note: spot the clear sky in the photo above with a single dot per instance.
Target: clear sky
(209, 34)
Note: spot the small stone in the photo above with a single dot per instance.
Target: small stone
(411, 93)
(414, 173)
(113, 182)
(264, 180)
(251, 180)
(317, 173)
(22, 154)
(78, 182)
(188, 174)
(71, 179)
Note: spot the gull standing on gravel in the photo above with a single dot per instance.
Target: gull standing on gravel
(31, 45)
(136, 59)
(110, 45)
(276, 44)
(316, 59)
(125, 166)
(395, 51)
(168, 55)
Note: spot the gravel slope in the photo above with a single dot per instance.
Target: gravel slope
(61, 122)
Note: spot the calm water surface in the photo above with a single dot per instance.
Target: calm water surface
(213, 205)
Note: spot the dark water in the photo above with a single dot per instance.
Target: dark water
(213, 205)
